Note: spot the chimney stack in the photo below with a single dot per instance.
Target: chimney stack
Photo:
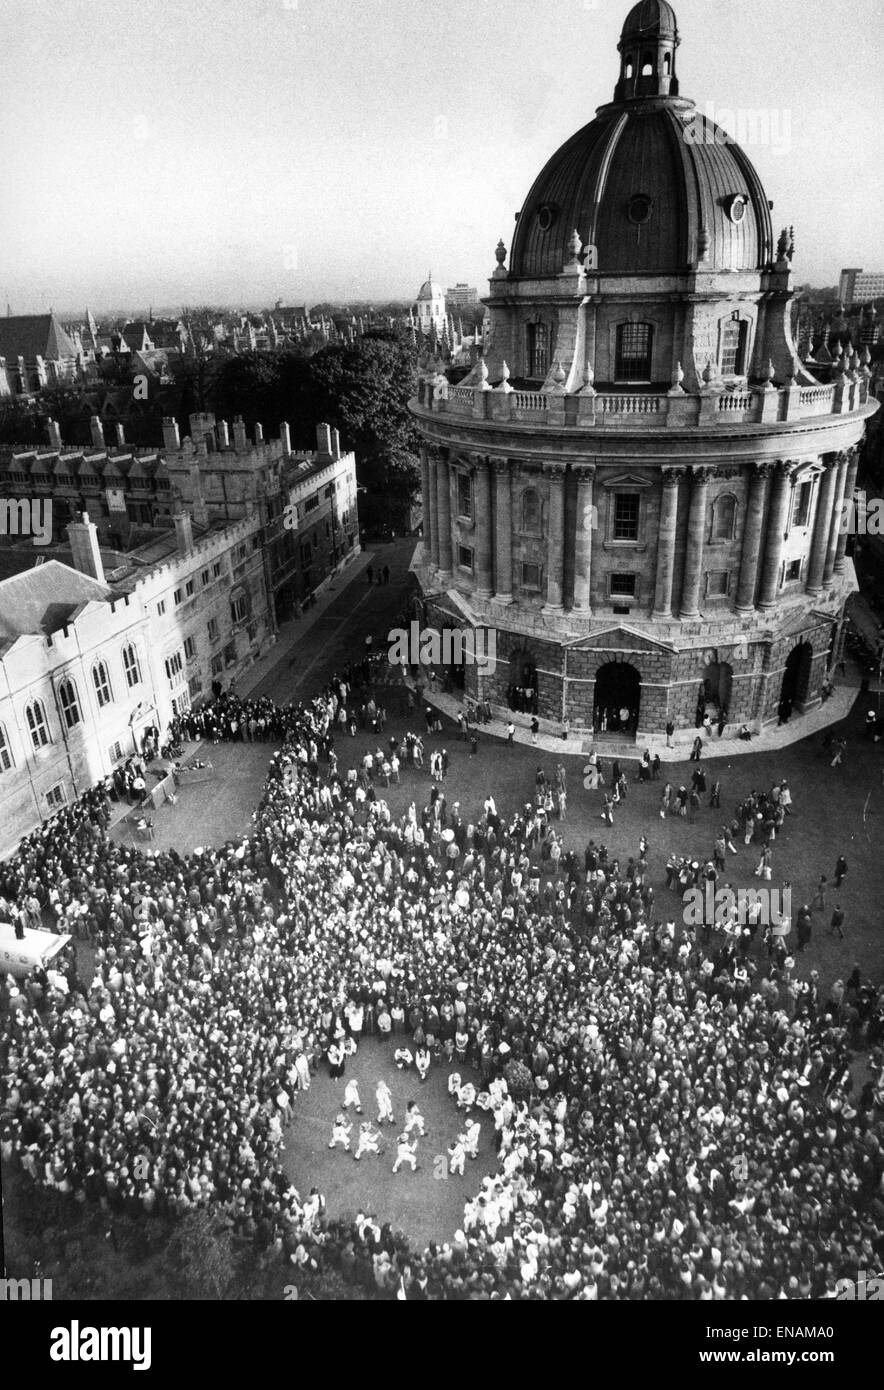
(223, 435)
(259, 434)
(97, 432)
(183, 532)
(121, 437)
(83, 536)
(336, 443)
(53, 429)
(240, 438)
(323, 440)
(285, 437)
(171, 437)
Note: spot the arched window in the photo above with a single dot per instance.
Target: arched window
(724, 517)
(70, 705)
(634, 343)
(667, 64)
(530, 511)
(629, 69)
(130, 666)
(6, 762)
(37, 724)
(102, 684)
(647, 65)
(538, 349)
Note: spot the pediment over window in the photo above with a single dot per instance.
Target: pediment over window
(625, 480)
(619, 638)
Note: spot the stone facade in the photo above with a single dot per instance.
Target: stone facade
(641, 472)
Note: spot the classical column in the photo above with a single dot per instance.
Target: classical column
(584, 527)
(777, 521)
(443, 515)
(666, 543)
(555, 537)
(482, 510)
(821, 528)
(503, 531)
(843, 530)
(835, 526)
(758, 489)
(693, 562)
(425, 496)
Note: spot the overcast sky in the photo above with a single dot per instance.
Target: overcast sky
(241, 151)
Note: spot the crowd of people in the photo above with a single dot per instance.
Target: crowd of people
(674, 1117)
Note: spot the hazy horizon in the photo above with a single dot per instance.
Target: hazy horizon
(280, 149)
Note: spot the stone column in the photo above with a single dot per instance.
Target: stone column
(758, 489)
(555, 537)
(666, 543)
(777, 521)
(425, 496)
(693, 563)
(443, 513)
(503, 531)
(843, 530)
(821, 528)
(482, 509)
(835, 524)
(584, 527)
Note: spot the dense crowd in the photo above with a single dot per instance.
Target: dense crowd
(683, 1124)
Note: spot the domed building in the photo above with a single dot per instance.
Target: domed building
(638, 487)
(428, 309)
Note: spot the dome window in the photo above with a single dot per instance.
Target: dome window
(546, 216)
(736, 207)
(639, 208)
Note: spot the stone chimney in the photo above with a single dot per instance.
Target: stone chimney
(171, 437)
(240, 438)
(83, 536)
(259, 434)
(121, 436)
(323, 440)
(199, 509)
(285, 437)
(96, 432)
(183, 532)
(53, 430)
(223, 435)
(336, 443)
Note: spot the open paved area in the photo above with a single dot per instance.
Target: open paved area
(427, 1204)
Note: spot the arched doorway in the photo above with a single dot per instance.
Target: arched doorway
(796, 680)
(522, 693)
(717, 680)
(617, 698)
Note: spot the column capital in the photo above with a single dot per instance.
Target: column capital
(500, 464)
(702, 474)
(584, 472)
(763, 470)
(437, 453)
(788, 466)
(672, 476)
(477, 460)
(555, 470)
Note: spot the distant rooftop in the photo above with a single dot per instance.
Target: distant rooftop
(40, 600)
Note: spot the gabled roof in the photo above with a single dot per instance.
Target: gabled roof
(34, 335)
(41, 600)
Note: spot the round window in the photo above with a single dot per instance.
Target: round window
(737, 207)
(546, 216)
(639, 208)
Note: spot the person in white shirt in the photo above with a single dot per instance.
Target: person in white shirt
(351, 1095)
(414, 1119)
(341, 1133)
(384, 1099)
(456, 1155)
(405, 1153)
(422, 1062)
(471, 1137)
(403, 1058)
(368, 1140)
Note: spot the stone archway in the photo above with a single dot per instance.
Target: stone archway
(717, 681)
(796, 680)
(617, 698)
(522, 693)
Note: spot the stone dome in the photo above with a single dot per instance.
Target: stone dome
(430, 289)
(652, 183)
